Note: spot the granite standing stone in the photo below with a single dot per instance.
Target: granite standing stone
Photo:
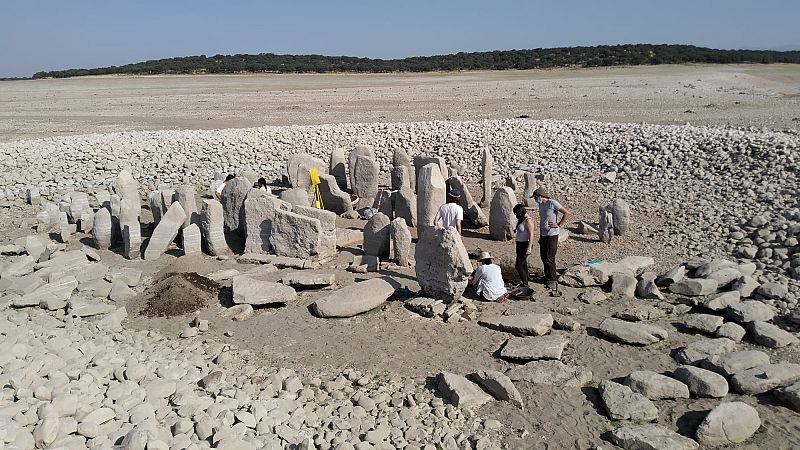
(472, 211)
(431, 195)
(400, 242)
(360, 150)
(295, 235)
(502, 222)
(442, 264)
(187, 197)
(165, 232)
(605, 227)
(192, 240)
(400, 159)
(486, 177)
(101, 232)
(298, 167)
(377, 236)
(338, 167)
(212, 222)
(258, 215)
(621, 214)
(232, 200)
(333, 198)
(365, 180)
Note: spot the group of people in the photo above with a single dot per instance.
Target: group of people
(260, 184)
(488, 279)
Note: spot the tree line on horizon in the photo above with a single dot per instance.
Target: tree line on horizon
(539, 58)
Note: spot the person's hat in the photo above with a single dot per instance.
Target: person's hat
(484, 255)
(455, 193)
(541, 192)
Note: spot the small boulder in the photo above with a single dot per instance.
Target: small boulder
(728, 423)
(521, 324)
(534, 347)
(632, 333)
(702, 382)
(656, 386)
(356, 298)
(651, 437)
(770, 335)
(622, 403)
(499, 385)
(460, 391)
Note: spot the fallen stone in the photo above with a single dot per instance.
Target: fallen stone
(499, 386)
(699, 350)
(356, 298)
(640, 313)
(675, 275)
(592, 296)
(239, 312)
(521, 325)
(460, 391)
(746, 286)
(749, 311)
(656, 386)
(621, 403)
(426, 307)
(721, 301)
(551, 372)
(534, 347)
(694, 287)
(761, 379)
(120, 292)
(251, 291)
(113, 320)
(632, 333)
(702, 382)
(166, 231)
(732, 331)
(706, 323)
(728, 423)
(651, 437)
(585, 228)
(770, 335)
(729, 364)
(790, 396)
(623, 285)
(772, 290)
(306, 280)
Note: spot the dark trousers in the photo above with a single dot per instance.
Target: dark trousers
(522, 262)
(548, 246)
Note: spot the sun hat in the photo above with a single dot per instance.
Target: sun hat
(484, 255)
(455, 192)
(541, 192)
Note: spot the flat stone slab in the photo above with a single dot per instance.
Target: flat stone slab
(719, 302)
(790, 396)
(498, 385)
(309, 279)
(551, 372)
(251, 291)
(534, 347)
(460, 391)
(656, 386)
(520, 324)
(770, 335)
(622, 403)
(704, 348)
(702, 382)
(765, 378)
(640, 313)
(632, 333)
(750, 310)
(81, 308)
(729, 364)
(694, 287)
(356, 298)
(707, 323)
(651, 437)
(728, 423)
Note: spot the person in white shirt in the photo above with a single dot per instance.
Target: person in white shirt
(262, 185)
(451, 214)
(488, 279)
(218, 192)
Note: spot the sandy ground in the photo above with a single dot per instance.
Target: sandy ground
(729, 95)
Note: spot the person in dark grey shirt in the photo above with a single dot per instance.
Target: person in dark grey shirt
(549, 229)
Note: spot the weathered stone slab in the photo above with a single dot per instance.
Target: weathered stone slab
(356, 298)
(502, 222)
(750, 310)
(192, 240)
(212, 222)
(790, 396)
(101, 231)
(400, 242)
(430, 195)
(166, 231)
(442, 264)
(551, 372)
(251, 291)
(295, 235)
(651, 437)
(632, 333)
(728, 423)
(706, 323)
(460, 391)
(721, 301)
(729, 364)
(770, 335)
(365, 172)
(404, 202)
(259, 211)
(308, 279)
(702, 382)
(758, 380)
(521, 324)
(333, 198)
(298, 167)
(232, 200)
(337, 167)
(622, 403)
(376, 236)
(499, 386)
(534, 347)
(704, 348)
(656, 386)
(694, 287)
(472, 211)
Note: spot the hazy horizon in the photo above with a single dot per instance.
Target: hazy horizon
(54, 35)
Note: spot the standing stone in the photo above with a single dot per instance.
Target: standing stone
(486, 177)
(296, 196)
(101, 231)
(232, 200)
(258, 215)
(404, 203)
(400, 159)
(338, 167)
(32, 196)
(192, 241)
(333, 198)
(167, 199)
(78, 204)
(431, 195)
(131, 237)
(64, 227)
(187, 197)
(443, 266)
(502, 222)
(383, 202)
(511, 182)
(87, 220)
(605, 228)
(472, 211)
(156, 206)
(400, 238)
(360, 150)
(422, 161)
(295, 235)
(529, 187)
(621, 212)
(165, 232)
(365, 180)
(327, 221)
(376, 236)
(211, 227)
(298, 167)
(401, 178)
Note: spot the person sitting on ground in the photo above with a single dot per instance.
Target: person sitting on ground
(549, 229)
(488, 279)
(451, 214)
(524, 245)
(218, 192)
(262, 185)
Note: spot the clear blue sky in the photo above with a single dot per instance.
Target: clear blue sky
(60, 34)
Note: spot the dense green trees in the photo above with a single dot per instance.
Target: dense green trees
(539, 58)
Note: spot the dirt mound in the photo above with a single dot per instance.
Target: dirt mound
(179, 293)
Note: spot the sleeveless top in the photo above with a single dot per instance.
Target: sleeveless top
(522, 232)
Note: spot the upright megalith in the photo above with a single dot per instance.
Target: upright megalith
(156, 206)
(486, 177)
(232, 200)
(192, 240)
(365, 180)
(259, 211)
(360, 150)
(431, 195)
(529, 186)
(298, 167)
(296, 196)
(295, 235)
(333, 198)
(212, 223)
(383, 202)
(400, 159)
(400, 242)
(472, 211)
(502, 222)
(442, 264)
(131, 231)
(101, 231)
(422, 161)
(605, 227)
(376, 236)
(404, 204)
(165, 232)
(338, 167)
(401, 178)
(327, 221)
(128, 189)
(187, 196)
(621, 212)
